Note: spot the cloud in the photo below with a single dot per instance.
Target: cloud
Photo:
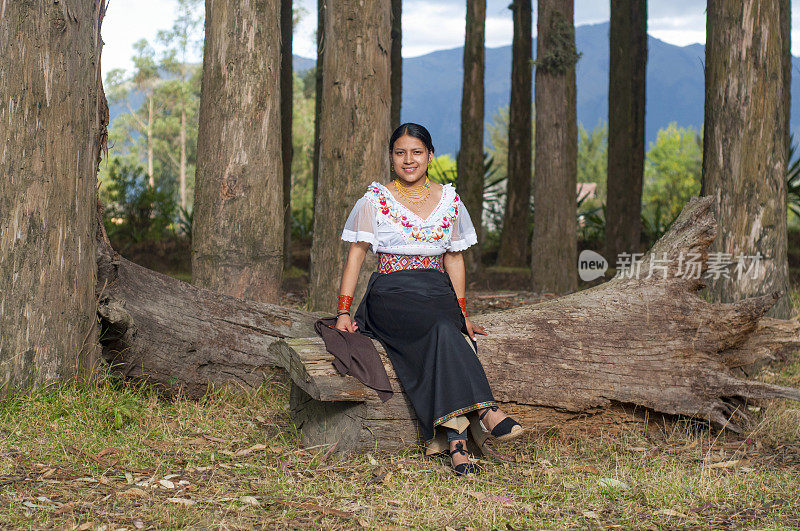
(428, 25)
(127, 22)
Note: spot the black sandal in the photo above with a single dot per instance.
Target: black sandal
(506, 429)
(464, 468)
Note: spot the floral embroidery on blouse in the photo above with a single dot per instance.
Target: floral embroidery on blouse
(439, 230)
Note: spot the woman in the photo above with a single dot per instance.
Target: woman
(414, 304)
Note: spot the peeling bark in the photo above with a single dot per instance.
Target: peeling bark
(744, 144)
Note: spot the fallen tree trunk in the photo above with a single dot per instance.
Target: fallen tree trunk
(182, 338)
(648, 341)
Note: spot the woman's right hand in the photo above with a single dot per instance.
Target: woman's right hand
(345, 324)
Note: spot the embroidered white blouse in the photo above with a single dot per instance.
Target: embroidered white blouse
(391, 227)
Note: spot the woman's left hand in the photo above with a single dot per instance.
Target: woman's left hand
(473, 329)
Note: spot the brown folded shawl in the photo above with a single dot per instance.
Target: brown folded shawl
(355, 354)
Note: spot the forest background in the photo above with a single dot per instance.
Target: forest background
(153, 139)
(184, 445)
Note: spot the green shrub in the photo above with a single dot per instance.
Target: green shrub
(134, 211)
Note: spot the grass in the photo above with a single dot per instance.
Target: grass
(109, 455)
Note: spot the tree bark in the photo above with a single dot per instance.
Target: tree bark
(237, 240)
(180, 338)
(287, 147)
(744, 146)
(555, 247)
(626, 142)
(470, 153)
(53, 121)
(354, 133)
(397, 62)
(514, 242)
(640, 339)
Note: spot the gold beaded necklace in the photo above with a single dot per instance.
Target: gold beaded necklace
(414, 194)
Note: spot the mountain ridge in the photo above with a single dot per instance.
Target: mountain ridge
(432, 84)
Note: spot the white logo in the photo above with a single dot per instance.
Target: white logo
(591, 265)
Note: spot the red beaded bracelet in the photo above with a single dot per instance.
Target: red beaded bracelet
(462, 303)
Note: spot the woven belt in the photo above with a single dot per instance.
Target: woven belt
(388, 262)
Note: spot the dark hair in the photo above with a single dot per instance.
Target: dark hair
(412, 129)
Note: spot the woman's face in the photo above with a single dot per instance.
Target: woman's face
(410, 158)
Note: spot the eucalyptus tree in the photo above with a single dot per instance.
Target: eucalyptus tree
(353, 132)
(626, 142)
(470, 154)
(237, 233)
(53, 128)
(555, 249)
(745, 148)
(514, 238)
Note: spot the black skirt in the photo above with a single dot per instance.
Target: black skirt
(415, 315)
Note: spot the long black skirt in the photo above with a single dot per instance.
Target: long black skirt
(414, 313)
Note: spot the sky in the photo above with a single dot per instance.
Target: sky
(428, 25)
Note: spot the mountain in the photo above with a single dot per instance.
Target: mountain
(432, 86)
(136, 98)
(675, 86)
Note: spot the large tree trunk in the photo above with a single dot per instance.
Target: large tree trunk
(397, 62)
(626, 102)
(634, 340)
(744, 146)
(237, 240)
(181, 338)
(514, 242)
(555, 247)
(470, 152)
(287, 147)
(52, 126)
(354, 132)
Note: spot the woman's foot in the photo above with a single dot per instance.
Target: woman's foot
(460, 458)
(500, 425)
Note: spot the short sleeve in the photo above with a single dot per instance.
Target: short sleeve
(463, 234)
(361, 225)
